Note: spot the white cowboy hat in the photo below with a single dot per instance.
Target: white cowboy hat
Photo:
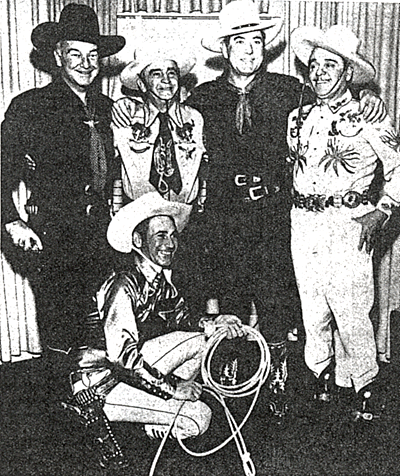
(122, 225)
(337, 39)
(241, 16)
(155, 52)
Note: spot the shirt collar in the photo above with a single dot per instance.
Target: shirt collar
(149, 269)
(174, 112)
(337, 103)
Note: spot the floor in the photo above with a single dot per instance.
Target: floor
(36, 438)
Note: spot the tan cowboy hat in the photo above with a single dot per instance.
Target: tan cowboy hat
(241, 16)
(77, 23)
(124, 222)
(338, 40)
(151, 52)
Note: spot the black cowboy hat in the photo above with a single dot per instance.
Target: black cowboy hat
(77, 23)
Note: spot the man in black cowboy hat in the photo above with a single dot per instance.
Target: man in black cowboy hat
(58, 140)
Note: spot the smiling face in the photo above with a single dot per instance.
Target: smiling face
(328, 74)
(160, 80)
(160, 241)
(79, 62)
(245, 53)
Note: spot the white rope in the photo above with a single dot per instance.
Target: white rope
(219, 391)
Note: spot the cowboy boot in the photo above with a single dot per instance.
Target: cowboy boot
(277, 380)
(88, 407)
(325, 385)
(369, 403)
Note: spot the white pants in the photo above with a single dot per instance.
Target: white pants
(177, 352)
(335, 281)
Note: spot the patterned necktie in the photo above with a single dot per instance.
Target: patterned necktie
(98, 160)
(164, 172)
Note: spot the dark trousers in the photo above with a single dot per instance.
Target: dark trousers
(66, 275)
(239, 258)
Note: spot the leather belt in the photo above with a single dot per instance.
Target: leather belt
(318, 203)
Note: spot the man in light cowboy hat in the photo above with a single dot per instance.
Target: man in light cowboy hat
(242, 250)
(336, 214)
(58, 140)
(162, 147)
(144, 367)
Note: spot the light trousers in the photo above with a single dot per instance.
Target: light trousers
(335, 282)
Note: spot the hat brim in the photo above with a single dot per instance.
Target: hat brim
(270, 27)
(130, 73)
(124, 222)
(46, 35)
(305, 39)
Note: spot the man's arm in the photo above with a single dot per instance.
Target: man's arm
(15, 161)
(118, 304)
(386, 144)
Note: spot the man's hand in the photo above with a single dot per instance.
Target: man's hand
(23, 236)
(372, 107)
(122, 112)
(188, 390)
(232, 324)
(371, 224)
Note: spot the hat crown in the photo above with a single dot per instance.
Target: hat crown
(238, 14)
(342, 39)
(79, 23)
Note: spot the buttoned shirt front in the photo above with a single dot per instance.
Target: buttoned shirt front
(135, 145)
(334, 151)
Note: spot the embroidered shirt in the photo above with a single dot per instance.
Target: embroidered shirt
(136, 306)
(135, 145)
(334, 151)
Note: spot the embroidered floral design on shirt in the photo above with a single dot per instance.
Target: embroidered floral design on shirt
(297, 156)
(185, 133)
(336, 154)
(140, 132)
(392, 139)
(349, 124)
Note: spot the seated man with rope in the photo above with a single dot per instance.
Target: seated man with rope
(142, 366)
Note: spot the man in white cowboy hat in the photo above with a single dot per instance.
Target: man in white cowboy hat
(242, 250)
(337, 213)
(58, 140)
(162, 146)
(144, 367)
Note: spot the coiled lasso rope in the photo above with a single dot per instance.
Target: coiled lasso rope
(219, 391)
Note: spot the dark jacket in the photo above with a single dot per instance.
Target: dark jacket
(48, 124)
(261, 150)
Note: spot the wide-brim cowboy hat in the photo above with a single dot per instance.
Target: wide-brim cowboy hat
(338, 40)
(124, 222)
(151, 53)
(241, 16)
(77, 23)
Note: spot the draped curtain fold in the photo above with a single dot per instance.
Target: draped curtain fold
(376, 24)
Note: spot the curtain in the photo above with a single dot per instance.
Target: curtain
(376, 24)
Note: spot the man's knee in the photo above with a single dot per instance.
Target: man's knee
(194, 420)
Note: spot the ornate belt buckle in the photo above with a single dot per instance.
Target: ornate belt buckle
(352, 199)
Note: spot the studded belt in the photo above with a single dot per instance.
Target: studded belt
(318, 203)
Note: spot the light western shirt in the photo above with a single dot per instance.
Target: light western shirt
(135, 145)
(333, 151)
